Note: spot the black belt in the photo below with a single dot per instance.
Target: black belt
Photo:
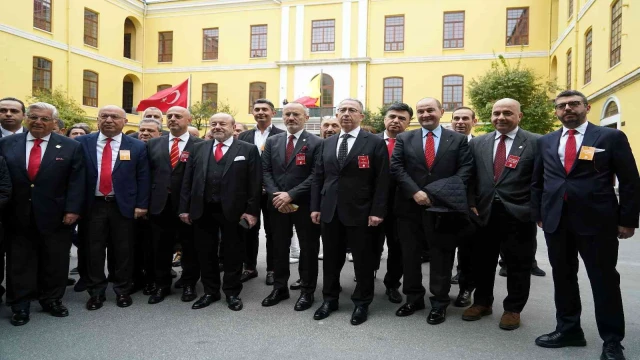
(108, 198)
(497, 200)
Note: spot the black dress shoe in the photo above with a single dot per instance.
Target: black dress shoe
(71, 282)
(234, 303)
(394, 295)
(359, 315)
(558, 339)
(20, 317)
(536, 271)
(159, 295)
(409, 308)
(456, 278)
(463, 299)
(80, 286)
(174, 274)
(325, 310)
(96, 302)
(248, 275)
(503, 271)
(189, 293)
(436, 316)
(56, 309)
(205, 301)
(179, 284)
(149, 289)
(124, 301)
(74, 271)
(612, 351)
(270, 280)
(275, 297)
(304, 302)
(296, 285)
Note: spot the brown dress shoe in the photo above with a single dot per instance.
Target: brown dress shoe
(510, 321)
(476, 312)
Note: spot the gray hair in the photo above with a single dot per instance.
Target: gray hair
(354, 100)
(243, 126)
(43, 106)
(150, 109)
(151, 121)
(306, 109)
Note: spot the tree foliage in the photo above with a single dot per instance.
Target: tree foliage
(375, 119)
(69, 111)
(202, 111)
(519, 83)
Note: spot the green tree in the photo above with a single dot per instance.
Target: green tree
(375, 119)
(69, 111)
(202, 111)
(519, 83)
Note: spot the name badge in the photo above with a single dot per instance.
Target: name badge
(586, 153)
(184, 156)
(363, 162)
(125, 155)
(512, 161)
(301, 159)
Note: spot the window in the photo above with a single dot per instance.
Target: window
(518, 26)
(570, 9)
(41, 74)
(326, 87)
(42, 14)
(257, 90)
(90, 28)
(616, 33)
(612, 109)
(569, 69)
(587, 56)
(394, 33)
(258, 41)
(165, 46)
(452, 91)
(210, 44)
(453, 34)
(323, 35)
(90, 89)
(392, 90)
(210, 94)
(127, 46)
(163, 87)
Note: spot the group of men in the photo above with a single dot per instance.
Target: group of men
(429, 188)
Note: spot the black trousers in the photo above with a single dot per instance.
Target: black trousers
(389, 230)
(441, 233)
(600, 255)
(143, 256)
(514, 237)
(309, 237)
(206, 231)
(465, 259)
(107, 228)
(2, 254)
(362, 240)
(37, 265)
(253, 239)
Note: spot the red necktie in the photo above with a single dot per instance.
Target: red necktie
(390, 146)
(218, 153)
(570, 151)
(175, 152)
(429, 150)
(105, 170)
(500, 159)
(34, 159)
(289, 150)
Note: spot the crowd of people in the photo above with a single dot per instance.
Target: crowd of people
(128, 200)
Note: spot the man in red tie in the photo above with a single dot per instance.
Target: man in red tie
(574, 201)
(47, 172)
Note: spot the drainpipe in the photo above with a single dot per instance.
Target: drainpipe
(144, 30)
(68, 48)
(575, 53)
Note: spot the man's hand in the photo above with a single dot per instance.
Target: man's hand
(540, 224)
(286, 208)
(315, 217)
(625, 232)
(474, 210)
(374, 220)
(138, 213)
(281, 198)
(70, 219)
(421, 198)
(252, 220)
(185, 218)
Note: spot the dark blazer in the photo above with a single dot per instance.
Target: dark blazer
(5, 187)
(163, 177)
(513, 185)
(58, 188)
(241, 181)
(131, 182)
(409, 168)
(249, 135)
(359, 193)
(24, 131)
(294, 179)
(592, 204)
(392, 183)
(136, 134)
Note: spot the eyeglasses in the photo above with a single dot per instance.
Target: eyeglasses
(349, 110)
(41, 118)
(174, 116)
(113, 116)
(572, 104)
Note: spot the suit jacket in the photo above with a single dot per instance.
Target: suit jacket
(392, 185)
(249, 135)
(24, 131)
(241, 184)
(409, 167)
(57, 189)
(130, 177)
(164, 178)
(5, 187)
(592, 204)
(359, 193)
(512, 188)
(290, 177)
(136, 134)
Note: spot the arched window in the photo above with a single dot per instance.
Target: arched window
(90, 88)
(392, 90)
(612, 109)
(257, 90)
(616, 33)
(588, 38)
(163, 87)
(326, 87)
(41, 74)
(452, 91)
(210, 94)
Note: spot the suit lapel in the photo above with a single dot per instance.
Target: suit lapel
(53, 148)
(487, 152)
(555, 140)
(332, 144)
(164, 145)
(125, 145)
(416, 143)
(361, 140)
(231, 155)
(301, 142)
(445, 142)
(281, 151)
(207, 152)
(93, 152)
(518, 146)
(20, 153)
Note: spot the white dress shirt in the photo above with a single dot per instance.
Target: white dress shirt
(43, 146)
(225, 147)
(6, 132)
(181, 144)
(579, 135)
(350, 141)
(115, 150)
(511, 135)
(296, 137)
(260, 137)
(469, 137)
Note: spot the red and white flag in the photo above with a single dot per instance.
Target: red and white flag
(167, 98)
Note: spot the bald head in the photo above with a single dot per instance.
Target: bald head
(509, 102)
(193, 131)
(506, 115)
(178, 120)
(111, 120)
(430, 100)
(222, 126)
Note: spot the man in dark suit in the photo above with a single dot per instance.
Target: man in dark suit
(117, 194)
(168, 156)
(500, 197)
(263, 111)
(47, 199)
(419, 158)
(288, 162)
(221, 193)
(574, 201)
(152, 113)
(349, 199)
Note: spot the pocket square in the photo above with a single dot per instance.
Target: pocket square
(599, 150)
(59, 159)
(239, 158)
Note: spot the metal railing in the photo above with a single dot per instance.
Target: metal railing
(313, 112)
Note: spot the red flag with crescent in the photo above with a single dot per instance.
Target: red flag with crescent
(167, 98)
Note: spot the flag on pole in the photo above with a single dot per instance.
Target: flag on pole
(167, 98)
(313, 99)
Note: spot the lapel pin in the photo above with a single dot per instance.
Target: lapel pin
(58, 146)
(520, 147)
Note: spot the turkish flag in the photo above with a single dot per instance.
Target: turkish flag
(167, 98)
(308, 101)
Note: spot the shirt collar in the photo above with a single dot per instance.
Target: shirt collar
(268, 130)
(297, 135)
(511, 134)
(580, 129)
(9, 132)
(184, 137)
(31, 137)
(354, 133)
(117, 138)
(227, 142)
(436, 132)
